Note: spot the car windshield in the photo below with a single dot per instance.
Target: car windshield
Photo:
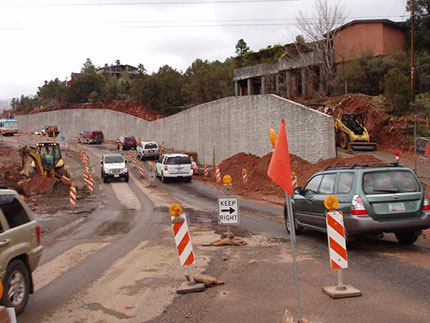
(178, 160)
(150, 146)
(130, 138)
(114, 159)
(384, 182)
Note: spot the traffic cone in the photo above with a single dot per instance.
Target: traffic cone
(427, 153)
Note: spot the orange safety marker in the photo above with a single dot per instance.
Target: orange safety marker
(206, 172)
(120, 148)
(182, 236)
(134, 160)
(73, 194)
(90, 184)
(77, 148)
(294, 179)
(337, 249)
(217, 174)
(244, 176)
(427, 153)
(142, 170)
(129, 155)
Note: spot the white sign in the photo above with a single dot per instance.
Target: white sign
(62, 138)
(151, 177)
(228, 210)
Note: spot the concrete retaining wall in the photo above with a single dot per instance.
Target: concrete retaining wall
(226, 126)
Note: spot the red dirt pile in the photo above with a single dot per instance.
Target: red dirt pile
(260, 186)
(125, 106)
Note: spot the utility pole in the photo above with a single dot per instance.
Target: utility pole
(413, 50)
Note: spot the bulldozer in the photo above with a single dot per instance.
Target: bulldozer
(47, 161)
(350, 133)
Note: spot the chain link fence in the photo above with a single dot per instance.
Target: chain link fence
(422, 159)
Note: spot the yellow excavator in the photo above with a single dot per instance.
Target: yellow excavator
(47, 160)
(351, 134)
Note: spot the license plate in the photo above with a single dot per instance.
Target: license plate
(396, 207)
(115, 176)
(179, 168)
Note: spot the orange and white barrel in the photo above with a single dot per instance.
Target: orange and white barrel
(134, 161)
(142, 170)
(244, 176)
(130, 155)
(206, 172)
(217, 174)
(73, 194)
(336, 240)
(294, 179)
(90, 184)
(183, 242)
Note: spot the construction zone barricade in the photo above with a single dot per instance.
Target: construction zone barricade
(90, 185)
(244, 176)
(217, 174)
(206, 171)
(142, 170)
(337, 249)
(184, 247)
(294, 179)
(73, 194)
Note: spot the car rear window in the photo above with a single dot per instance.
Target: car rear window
(386, 182)
(179, 160)
(130, 138)
(13, 211)
(151, 146)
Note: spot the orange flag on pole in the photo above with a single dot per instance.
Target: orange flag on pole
(280, 168)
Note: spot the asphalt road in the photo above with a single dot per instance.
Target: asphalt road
(119, 264)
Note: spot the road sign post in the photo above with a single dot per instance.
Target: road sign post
(228, 207)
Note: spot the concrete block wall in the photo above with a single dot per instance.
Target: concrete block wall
(227, 126)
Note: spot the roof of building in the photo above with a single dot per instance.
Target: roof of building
(370, 21)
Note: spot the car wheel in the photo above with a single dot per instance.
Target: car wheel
(16, 286)
(126, 178)
(163, 179)
(406, 237)
(105, 179)
(188, 179)
(298, 229)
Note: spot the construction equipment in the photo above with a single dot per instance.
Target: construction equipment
(47, 160)
(351, 134)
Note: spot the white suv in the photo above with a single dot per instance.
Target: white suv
(148, 149)
(113, 166)
(174, 166)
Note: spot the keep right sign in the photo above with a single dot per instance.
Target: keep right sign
(228, 210)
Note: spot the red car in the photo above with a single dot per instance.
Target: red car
(127, 142)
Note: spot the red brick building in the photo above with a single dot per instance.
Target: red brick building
(361, 36)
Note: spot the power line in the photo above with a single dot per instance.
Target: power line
(168, 2)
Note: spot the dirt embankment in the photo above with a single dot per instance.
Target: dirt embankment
(125, 106)
(261, 187)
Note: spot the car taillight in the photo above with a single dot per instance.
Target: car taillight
(38, 234)
(426, 205)
(192, 167)
(166, 168)
(358, 206)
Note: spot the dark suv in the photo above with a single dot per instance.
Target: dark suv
(20, 249)
(374, 198)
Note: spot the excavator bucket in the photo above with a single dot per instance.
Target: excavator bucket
(363, 146)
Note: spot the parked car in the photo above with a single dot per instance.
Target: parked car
(174, 166)
(127, 142)
(147, 150)
(113, 166)
(91, 137)
(20, 249)
(374, 198)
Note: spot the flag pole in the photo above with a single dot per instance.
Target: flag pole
(293, 251)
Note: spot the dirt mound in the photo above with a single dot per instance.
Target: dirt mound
(260, 186)
(125, 106)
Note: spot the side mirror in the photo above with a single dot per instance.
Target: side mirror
(298, 191)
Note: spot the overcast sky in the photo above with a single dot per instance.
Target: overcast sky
(45, 39)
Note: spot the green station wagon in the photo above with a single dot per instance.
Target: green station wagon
(374, 198)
